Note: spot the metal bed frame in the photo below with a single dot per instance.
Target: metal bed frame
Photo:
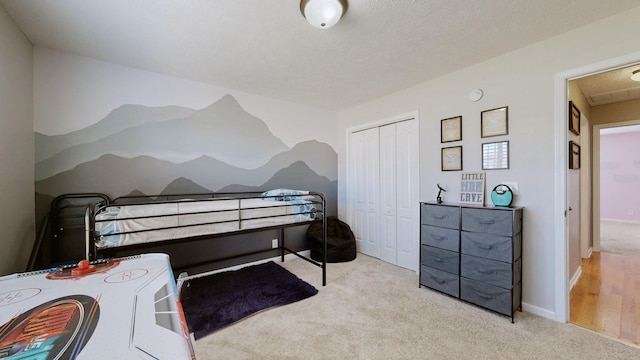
(91, 236)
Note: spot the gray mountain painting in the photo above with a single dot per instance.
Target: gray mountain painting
(153, 150)
(119, 119)
(223, 131)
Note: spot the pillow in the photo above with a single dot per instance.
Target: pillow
(286, 195)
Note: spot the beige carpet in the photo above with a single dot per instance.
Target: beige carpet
(620, 237)
(373, 310)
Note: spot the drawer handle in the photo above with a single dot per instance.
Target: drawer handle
(441, 217)
(487, 222)
(483, 271)
(439, 238)
(441, 282)
(483, 246)
(483, 295)
(437, 259)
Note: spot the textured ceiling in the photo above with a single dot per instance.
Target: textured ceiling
(266, 47)
(611, 86)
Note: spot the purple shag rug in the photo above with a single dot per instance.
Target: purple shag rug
(221, 299)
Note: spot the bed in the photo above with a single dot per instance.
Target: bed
(141, 223)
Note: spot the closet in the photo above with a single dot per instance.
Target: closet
(383, 191)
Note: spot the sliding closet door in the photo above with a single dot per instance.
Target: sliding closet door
(399, 207)
(407, 190)
(364, 189)
(383, 192)
(388, 193)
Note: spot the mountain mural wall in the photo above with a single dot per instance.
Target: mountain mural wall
(154, 150)
(223, 131)
(119, 119)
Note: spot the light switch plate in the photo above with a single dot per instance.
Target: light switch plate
(513, 185)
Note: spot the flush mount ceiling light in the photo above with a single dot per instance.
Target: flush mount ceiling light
(635, 76)
(323, 14)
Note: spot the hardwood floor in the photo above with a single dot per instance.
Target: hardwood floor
(606, 298)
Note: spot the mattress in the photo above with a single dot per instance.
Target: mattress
(143, 223)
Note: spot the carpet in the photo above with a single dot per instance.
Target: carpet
(620, 237)
(221, 299)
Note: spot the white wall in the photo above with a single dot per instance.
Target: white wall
(16, 147)
(524, 81)
(620, 176)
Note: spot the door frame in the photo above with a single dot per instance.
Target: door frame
(586, 190)
(560, 185)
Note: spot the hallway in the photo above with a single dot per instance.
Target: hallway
(606, 298)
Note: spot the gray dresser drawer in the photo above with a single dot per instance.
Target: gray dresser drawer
(440, 237)
(440, 215)
(488, 221)
(446, 260)
(485, 295)
(487, 246)
(440, 280)
(490, 271)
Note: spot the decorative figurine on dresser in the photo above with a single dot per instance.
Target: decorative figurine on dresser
(440, 191)
(473, 253)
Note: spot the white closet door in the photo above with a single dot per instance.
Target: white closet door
(356, 186)
(383, 192)
(407, 203)
(364, 187)
(371, 246)
(388, 193)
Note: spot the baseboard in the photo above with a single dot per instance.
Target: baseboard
(635, 222)
(548, 313)
(551, 315)
(575, 277)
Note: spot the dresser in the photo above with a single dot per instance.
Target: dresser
(473, 253)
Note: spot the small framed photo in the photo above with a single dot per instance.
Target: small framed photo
(574, 155)
(574, 118)
(495, 155)
(451, 129)
(495, 122)
(452, 158)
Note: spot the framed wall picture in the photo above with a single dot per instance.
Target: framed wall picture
(451, 158)
(451, 129)
(495, 155)
(574, 155)
(495, 122)
(574, 118)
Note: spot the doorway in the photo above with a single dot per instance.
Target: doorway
(604, 297)
(605, 286)
(619, 180)
(561, 260)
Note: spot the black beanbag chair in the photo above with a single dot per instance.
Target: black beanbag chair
(341, 243)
